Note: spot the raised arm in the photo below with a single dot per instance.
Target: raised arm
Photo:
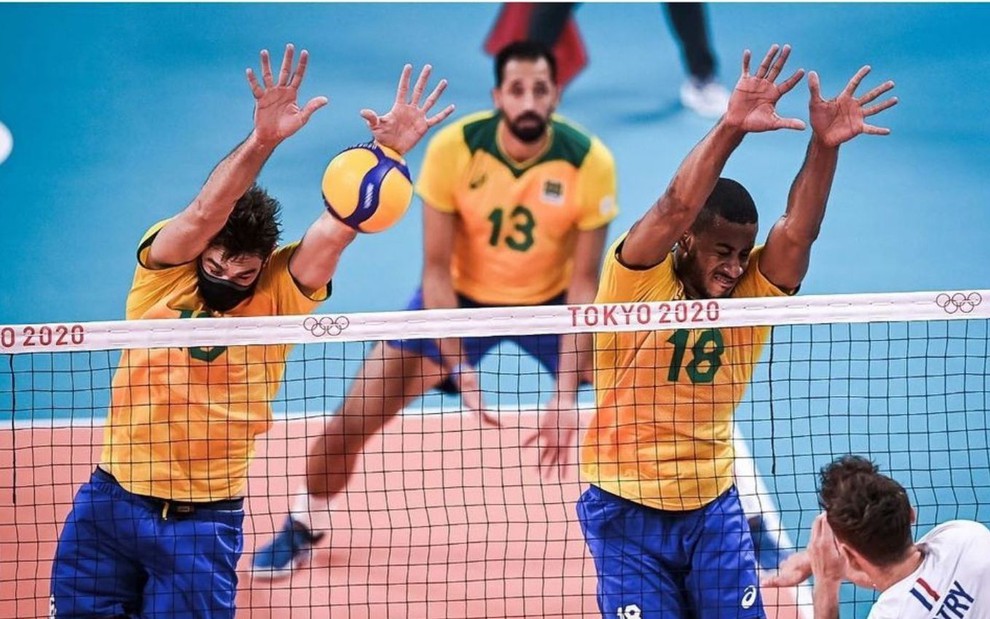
(752, 108)
(276, 117)
(314, 262)
(788, 250)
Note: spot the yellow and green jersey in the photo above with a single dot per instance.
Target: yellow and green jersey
(517, 222)
(662, 433)
(182, 421)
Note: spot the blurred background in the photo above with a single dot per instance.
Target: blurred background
(119, 112)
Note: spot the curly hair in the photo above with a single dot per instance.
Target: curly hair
(866, 510)
(253, 227)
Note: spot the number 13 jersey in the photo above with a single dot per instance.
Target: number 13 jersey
(517, 222)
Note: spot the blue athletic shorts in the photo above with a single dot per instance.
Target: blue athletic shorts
(672, 565)
(118, 556)
(544, 348)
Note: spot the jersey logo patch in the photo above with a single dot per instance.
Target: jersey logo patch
(553, 192)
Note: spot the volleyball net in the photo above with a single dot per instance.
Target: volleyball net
(446, 515)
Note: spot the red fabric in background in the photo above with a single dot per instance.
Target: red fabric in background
(513, 25)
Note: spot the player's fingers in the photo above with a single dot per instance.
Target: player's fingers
(856, 79)
(767, 61)
(790, 82)
(266, 69)
(778, 65)
(874, 130)
(432, 99)
(297, 78)
(745, 62)
(283, 73)
(438, 118)
(312, 105)
(255, 86)
(790, 123)
(420, 87)
(770, 582)
(879, 107)
(530, 440)
(815, 85)
(370, 117)
(403, 90)
(876, 92)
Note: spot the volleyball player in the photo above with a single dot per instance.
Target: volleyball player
(518, 201)
(661, 517)
(864, 536)
(157, 530)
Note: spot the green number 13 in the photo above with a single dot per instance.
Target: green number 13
(707, 351)
(523, 223)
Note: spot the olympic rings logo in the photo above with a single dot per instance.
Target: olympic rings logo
(326, 325)
(958, 302)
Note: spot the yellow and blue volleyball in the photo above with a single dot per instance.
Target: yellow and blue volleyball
(367, 187)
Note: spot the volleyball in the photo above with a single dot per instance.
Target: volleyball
(367, 187)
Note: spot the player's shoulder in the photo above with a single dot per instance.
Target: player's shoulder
(473, 130)
(962, 532)
(577, 145)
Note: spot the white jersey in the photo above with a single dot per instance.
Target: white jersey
(952, 582)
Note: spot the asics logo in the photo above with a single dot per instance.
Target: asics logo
(749, 597)
(326, 325)
(958, 302)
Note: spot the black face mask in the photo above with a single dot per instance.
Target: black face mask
(220, 294)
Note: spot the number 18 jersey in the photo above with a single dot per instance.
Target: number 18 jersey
(662, 433)
(517, 222)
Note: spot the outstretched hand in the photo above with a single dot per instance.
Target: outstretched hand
(407, 122)
(839, 120)
(276, 113)
(752, 106)
(557, 434)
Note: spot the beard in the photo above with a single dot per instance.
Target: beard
(534, 129)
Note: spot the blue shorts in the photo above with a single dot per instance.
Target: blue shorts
(675, 565)
(118, 556)
(544, 348)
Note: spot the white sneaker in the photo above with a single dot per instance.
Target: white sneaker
(709, 99)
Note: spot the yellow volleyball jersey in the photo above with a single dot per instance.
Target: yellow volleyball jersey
(662, 433)
(517, 223)
(183, 421)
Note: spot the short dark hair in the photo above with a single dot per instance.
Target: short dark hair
(523, 50)
(866, 510)
(253, 227)
(730, 201)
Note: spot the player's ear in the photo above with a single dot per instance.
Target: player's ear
(497, 98)
(914, 516)
(854, 566)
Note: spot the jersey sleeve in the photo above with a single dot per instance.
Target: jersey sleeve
(754, 283)
(446, 155)
(620, 283)
(150, 285)
(597, 188)
(289, 297)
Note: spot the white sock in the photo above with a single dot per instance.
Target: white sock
(313, 512)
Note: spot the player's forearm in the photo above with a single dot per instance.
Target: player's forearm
(231, 178)
(826, 598)
(695, 178)
(439, 293)
(810, 190)
(652, 237)
(315, 260)
(575, 349)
